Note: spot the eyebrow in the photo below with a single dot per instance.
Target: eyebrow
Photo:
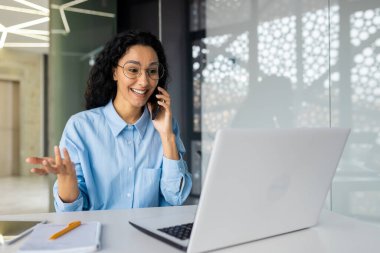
(138, 63)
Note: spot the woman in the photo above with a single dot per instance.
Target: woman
(114, 155)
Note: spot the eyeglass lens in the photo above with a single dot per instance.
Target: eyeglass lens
(155, 71)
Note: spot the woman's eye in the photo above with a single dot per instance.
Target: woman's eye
(153, 71)
(133, 70)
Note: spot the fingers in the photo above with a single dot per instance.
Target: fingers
(46, 169)
(36, 160)
(67, 160)
(55, 165)
(164, 98)
(39, 160)
(163, 91)
(50, 168)
(163, 95)
(62, 165)
(39, 171)
(58, 158)
(164, 104)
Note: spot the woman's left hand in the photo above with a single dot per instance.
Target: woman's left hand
(163, 124)
(163, 121)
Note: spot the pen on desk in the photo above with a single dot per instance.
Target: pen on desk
(70, 226)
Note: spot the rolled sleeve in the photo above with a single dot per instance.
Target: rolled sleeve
(173, 173)
(173, 169)
(61, 206)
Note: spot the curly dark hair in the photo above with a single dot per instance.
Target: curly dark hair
(100, 85)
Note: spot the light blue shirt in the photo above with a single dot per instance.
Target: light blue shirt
(119, 165)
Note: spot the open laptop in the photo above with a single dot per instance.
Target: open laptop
(259, 183)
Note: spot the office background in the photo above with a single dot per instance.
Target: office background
(238, 63)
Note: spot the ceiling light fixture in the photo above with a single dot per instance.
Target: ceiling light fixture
(33, 5)
(23, 10)
(2, 39)
(18, 29)
(15, 28)
(84, 11)
(36, 9)
(34, 36)
(62, 12)
(68, 7)
(29, 23)
(29, 31)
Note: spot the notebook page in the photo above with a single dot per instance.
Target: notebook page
(85, 238)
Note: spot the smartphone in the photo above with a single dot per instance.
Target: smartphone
(11, 231)
(155, 106)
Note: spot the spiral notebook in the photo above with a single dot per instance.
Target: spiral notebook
(85, 238)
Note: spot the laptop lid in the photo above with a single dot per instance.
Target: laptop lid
(264, 182)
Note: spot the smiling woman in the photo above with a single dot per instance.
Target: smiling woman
(114, 154)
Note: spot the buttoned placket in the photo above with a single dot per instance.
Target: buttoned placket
(129, 169)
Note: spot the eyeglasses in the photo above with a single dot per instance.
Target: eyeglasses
(133, 70)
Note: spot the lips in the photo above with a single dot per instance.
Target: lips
(139, 92)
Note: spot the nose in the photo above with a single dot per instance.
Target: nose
(143, 79)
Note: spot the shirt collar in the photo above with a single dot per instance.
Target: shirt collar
(117, 124)
(142, 123)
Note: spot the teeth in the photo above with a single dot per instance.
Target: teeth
(139, 91)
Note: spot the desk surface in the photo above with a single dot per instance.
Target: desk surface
(334, 233)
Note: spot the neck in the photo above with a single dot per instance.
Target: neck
(127, 112)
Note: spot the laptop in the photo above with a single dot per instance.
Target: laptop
(259, 183)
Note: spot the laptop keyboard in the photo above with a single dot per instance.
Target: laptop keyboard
(181, 232)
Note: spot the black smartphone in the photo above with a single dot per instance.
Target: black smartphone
(155, 106)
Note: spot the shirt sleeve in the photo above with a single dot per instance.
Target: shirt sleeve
(61, 206)
(69, 138)
(176, 180)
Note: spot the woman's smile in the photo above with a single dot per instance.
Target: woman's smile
(139, 91)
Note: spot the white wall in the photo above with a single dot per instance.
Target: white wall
(25, 69)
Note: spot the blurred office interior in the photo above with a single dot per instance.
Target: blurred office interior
(233, 63)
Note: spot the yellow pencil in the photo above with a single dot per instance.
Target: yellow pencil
(70, 226)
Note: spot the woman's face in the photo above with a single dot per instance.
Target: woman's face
(136, 91)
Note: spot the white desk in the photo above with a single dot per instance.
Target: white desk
(334, 233)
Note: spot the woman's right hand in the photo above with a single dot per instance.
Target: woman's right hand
(68, 189)
(54, 166)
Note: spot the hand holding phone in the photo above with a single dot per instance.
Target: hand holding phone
(155, 106)
(155, 111)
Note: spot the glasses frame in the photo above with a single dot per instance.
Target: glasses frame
(160, 68)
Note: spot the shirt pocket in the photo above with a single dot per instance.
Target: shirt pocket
(149, 189)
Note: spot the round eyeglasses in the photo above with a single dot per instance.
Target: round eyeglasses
(133, 70)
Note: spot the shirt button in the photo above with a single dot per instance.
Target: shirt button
(128, 195)
(130, 169)
(129, 142)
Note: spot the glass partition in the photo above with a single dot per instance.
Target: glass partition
(78, 31)
(355, 99)
(297, 63)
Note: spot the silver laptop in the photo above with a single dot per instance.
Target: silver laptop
(259, 183)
